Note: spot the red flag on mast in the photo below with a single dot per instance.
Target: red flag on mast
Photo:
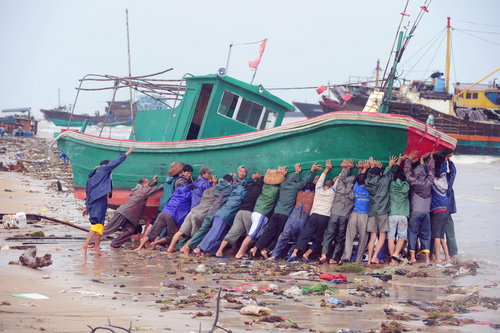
(255, 63)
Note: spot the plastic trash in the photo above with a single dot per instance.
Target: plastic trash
(334, 301)
(31, 296)
(315, 288)
(255, 310)
(201, 268)
(293, 291)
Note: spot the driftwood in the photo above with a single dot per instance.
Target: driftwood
(30, 259)
(69, 224)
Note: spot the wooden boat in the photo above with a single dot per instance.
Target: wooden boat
(222, 122)
(119, 114)
(19, 123)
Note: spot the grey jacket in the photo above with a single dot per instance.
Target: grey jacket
(344, 195)
(133, 209)
(420, 185)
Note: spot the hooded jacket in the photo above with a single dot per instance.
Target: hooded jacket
(168, 190)
(228, 211)
(378, 188)
(343, 201)
(288, 192)
(253, 192)
(99, 181)
(179, 204)
(400, 202)
(420, 185)
(440, 189)
(452, 207)
(200, 185)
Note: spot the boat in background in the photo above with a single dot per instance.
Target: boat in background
(116, 113)
(19, 123)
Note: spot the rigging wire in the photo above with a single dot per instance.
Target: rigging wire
(434, 56)
(481, 31)
(453, 58)
(476, 23)
(428, 49)
(432, 40)
(483, 39)
(395, 39)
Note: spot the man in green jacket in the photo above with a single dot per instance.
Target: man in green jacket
(377, 185)
(398, 214)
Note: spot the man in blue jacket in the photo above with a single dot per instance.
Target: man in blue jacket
(98, 188)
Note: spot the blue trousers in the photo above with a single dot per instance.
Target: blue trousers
(291, 231)
(419, 228)
(213, 238)
(97, 210)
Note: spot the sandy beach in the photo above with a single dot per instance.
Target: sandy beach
(155, 292)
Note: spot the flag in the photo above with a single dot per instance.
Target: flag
(320, 90)
(255, 63)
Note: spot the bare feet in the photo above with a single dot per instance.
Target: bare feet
(264, 253)
(375, 261)
(197, 252)
(333, 262)
(84, 249)
(170, 250)
(185, 250)
(97, 251)
(253, 251)
(322, 259)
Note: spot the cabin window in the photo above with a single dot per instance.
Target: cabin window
(474, 95)
(268, 119)
(467, 95)
(228, 104)
(247, 111)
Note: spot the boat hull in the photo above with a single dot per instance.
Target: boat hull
(335, 136)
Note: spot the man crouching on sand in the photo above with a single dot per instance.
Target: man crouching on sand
(98, 188)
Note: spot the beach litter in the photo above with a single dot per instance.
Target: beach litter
(255, 310)
(31, 296)
(29, 258)
(15, 221)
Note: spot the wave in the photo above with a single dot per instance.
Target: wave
(474, 159)
(487, 200)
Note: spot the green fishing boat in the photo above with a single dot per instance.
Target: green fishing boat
(222, 122)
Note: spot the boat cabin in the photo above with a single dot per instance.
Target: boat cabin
(485, 96)
(212, 106)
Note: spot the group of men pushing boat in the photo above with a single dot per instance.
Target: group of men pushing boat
(283, 214)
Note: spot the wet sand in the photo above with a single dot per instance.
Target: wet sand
(156, 291)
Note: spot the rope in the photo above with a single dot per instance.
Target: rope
(250, 138)
(433, 57)
(393, 44)
(483, 39)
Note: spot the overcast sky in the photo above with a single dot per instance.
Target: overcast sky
(48, 45)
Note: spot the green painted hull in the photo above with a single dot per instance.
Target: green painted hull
(77, 123)
(336, 136)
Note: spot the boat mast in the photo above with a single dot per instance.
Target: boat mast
(384, 108)
(377, 72)
(448, 53)
(130, 75)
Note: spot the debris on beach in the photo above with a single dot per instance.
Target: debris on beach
(255, 310)
(15, 221)
(393, 327)
(30, 259)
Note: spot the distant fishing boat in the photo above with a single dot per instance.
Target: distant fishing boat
(471, 115)
(116, 113)
(223, 122)
(19, 122)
